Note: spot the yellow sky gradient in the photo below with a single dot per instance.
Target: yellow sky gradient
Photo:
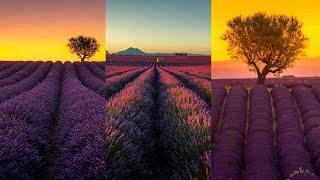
(39, 30)
(307, 11)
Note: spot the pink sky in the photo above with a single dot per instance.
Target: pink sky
(309, 67)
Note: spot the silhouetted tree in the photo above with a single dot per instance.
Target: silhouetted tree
(267, 43)
(84, 47)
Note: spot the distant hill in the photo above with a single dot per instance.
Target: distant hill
(131, 52)
(174, 54)
(137, 52)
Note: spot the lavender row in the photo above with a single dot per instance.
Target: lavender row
(316, 91)
(101, 65)
(289, 82)
(293, 155)
(6, 65)
(96, 70)
(184, 130)
(228, 148)
(218, 95)
(12, 69)
(196, 71)
(89, 80)
(115, 73)
(18, 76)
(26, 84)
(201, 86)
(130, 145)
(24, 124)
(80, 132)
(198, 75)
(310, 112)
(118, 70)
(259, 151)
(116, 83)
(123, 64)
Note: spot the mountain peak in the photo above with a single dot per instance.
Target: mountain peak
(131, 52)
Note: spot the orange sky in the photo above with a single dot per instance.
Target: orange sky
(307, 11)
(39, 29)
(308, 67)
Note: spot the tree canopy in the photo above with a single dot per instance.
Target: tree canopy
(84, 47)
(267, 43)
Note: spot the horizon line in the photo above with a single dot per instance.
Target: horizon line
(157, 52)
(226, 60)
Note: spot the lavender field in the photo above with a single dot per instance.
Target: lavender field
(158, 121)
(261, 132)
(270, 82)
(91, 121)
(52, 120)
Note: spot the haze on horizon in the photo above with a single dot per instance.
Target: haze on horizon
(40, 29)
(308, 67)
(306, 11)
(155, 26)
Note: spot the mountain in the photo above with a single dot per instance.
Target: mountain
(137, 52)
(174, 54)
(131, 52)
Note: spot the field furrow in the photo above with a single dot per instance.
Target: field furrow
(12, 69)
(283, 128)
(201, 86)
(6, 65)
(25, 121)
(19, 75)
(227, 156)
(89, 80)
(26, 84)
(96, 70)
(116, 83)
(259, 145)
(80, 130)
(184, 120)
(129, 129)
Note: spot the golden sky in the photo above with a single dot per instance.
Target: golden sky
(40, 29)
(307, 11)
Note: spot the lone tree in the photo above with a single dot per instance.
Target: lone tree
(267, 43)
(84, 47)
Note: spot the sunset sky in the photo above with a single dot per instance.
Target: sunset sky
(159, 25)
(40, 29)
(307, 11)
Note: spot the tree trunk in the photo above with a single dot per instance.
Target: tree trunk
(83, 58)
(261, 78)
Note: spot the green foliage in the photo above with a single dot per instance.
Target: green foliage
(84, 47)
(267, 43)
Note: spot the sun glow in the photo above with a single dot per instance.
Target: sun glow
(39, 30)
(306, 11)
